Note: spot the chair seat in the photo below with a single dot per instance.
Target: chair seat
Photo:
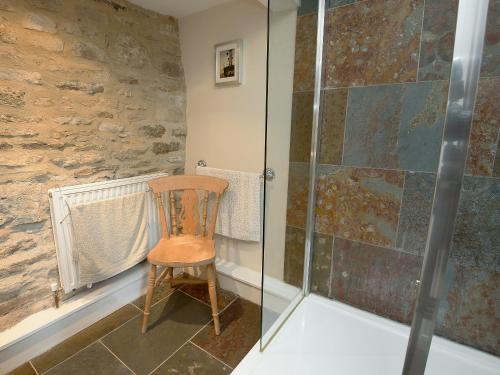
(183, 251)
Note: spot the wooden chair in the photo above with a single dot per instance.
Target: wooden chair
(186, 240)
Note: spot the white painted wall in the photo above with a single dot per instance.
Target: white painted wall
(226, 125)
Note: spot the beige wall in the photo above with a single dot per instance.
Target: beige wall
(281, 63)
(226, 125)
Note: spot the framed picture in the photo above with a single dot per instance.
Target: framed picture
(228, 63)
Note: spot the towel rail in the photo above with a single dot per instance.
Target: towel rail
(268, 173)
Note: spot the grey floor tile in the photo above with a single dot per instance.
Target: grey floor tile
(160, 292)
(84, 338)
(200, 292)
(94, 360)
(173, 321)
(24, 369)
(191, 360)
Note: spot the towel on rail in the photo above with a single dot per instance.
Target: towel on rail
(109, 236)
(240, 207)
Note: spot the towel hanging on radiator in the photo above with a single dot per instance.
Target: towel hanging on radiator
(240, 210)
(109, 236)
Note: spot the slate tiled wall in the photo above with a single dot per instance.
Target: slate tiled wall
(386, 68)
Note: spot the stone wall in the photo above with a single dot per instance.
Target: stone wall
(90, 90)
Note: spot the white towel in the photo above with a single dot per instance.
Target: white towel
(109, 236)
(239, 214)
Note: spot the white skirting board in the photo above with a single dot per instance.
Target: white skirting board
(45, 329)
(41, 331)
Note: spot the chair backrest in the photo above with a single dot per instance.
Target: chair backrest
(183, 193)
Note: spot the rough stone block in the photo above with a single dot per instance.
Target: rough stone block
(89, 88)
(111, 127)
(48, 42)
(153, 131)
(89, 51)
(165, 148)
(12, 98)
(39, 22)
(21, 75)
(73, 120)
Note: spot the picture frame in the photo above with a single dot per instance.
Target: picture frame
(229, 63)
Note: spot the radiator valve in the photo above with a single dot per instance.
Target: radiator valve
(55, 293)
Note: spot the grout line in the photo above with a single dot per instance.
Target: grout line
(303, 164)
(420, 44)
(229, 304)
(33, 367)
(356, 2)
(157, 302)
(332, 88)
(71, 356)
(175, 352)
(121, 325)
(208, 304)
(345, 126)
(495, 154)
(93, 342)
(210, 354)
(137, 307)
(196, 299)
(123, 363)
(330, 276)
(401, 201)
(387, 247)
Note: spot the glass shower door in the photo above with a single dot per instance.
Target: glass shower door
(291, 68)
(366, 136)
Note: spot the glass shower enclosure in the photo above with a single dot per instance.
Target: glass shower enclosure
(383, 131)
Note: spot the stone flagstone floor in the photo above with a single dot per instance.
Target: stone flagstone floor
(180, 339)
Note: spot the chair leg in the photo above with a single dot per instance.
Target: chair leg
(213, 296)
(149, 297)
(170, 275)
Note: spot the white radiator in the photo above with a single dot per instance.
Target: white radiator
(60, 198)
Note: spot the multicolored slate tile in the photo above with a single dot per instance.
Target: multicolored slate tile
(485, 128)
(321, 264)
(298, 187)
(24, 369)
(200, 292)
(496, 168)
(305, 53)
(334, 104)
(375, 279)
(338, 3)
(307, 6)
(321, 260)
(476, 241)
(491, 52)
(95, 359)
(173, 321)
(395, 126)
(240, 330)
(333, 112)
(416, 211)
(160, 292)
(300, 133)
(191, 360)
(359, 203)
(294, 256)
(438, 38)
(77, 342)
(470, 312)
(372, 42)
